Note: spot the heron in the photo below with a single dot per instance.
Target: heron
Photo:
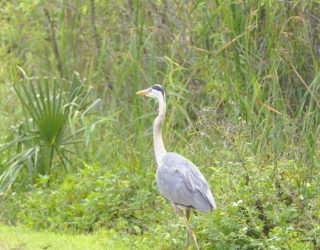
(178, 179)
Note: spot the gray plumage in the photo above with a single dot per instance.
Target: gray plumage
(181, 182)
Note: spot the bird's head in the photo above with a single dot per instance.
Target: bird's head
(156, 91)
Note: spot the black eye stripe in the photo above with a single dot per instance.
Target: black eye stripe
(158, 87)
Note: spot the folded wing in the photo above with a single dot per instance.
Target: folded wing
(181, 182)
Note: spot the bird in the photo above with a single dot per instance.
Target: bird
(178, 179)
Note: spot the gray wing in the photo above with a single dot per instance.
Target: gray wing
(181, 182)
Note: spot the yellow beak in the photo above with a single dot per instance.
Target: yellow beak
(143, 92)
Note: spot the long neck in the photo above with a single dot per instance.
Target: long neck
(159, 149)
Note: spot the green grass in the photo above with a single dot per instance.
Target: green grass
(22, 238)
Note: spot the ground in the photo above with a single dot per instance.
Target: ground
(21, 238)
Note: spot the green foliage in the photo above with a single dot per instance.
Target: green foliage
(278, 211)
(254, 59)
(92, 198)
(54, 121)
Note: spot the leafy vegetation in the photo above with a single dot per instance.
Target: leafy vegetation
(91, 199)
(248, 216)
(54, 110)
(243, 103)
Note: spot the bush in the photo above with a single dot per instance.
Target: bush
(275, 210)
(92, 198)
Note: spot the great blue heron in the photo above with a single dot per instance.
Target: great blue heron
(178, 179)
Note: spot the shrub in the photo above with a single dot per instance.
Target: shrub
(92, 198)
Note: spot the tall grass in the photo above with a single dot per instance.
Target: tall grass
(257, 60)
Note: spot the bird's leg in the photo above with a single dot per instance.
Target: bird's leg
(186, 219)
(187, 243)
(177, 209)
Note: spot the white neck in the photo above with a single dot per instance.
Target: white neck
(159, 149)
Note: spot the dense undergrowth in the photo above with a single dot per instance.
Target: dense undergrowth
(277, 210)
(243, 104)
(92, 198)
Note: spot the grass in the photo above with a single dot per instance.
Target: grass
(22, 238)
(250, 59)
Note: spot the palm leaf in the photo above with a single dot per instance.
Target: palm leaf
(8, 177)
(53, 105)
